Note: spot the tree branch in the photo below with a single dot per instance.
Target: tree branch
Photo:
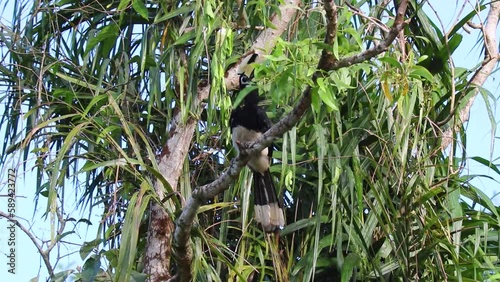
(380, 48)
(44, 254)
(266, 40)
(491, 57)
(182, 247)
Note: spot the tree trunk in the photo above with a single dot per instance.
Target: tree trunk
(161, 226)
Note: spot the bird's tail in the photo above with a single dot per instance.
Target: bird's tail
(267, 211)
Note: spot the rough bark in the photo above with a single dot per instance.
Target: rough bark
(491, 57)
(158, 250)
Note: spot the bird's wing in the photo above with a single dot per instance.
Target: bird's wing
(264, 125)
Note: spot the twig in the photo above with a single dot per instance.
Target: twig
(373, 20)
(474, 25)
(44, 254)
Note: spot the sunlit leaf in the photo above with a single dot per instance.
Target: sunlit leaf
(140, 8)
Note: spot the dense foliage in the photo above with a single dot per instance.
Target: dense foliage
(93, 88)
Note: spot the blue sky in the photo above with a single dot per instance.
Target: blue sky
(479, 144)
(480, 134)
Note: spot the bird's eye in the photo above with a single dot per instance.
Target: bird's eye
(244, 80)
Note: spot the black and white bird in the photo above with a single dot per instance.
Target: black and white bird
(248, 122)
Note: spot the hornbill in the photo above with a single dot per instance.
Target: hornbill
(248, 122)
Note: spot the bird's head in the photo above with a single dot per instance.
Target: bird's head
(245, 70)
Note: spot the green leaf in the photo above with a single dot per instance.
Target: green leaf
(109, 32)
(342, 79)
(326, 94)
(391, 61)
(140, 8)
(63, 2)
(123, 4)
(355, 35)
(91, 268)
(454, 42)
(281, 58)
(421, 72)
(59, 237)
(61, 276)
(88, 247)
(137, 276)
(242, 94)
(487, 163)
(176, 12)
(184, 38)
(208, 10)
(130, 232)
(466, 19)
(350, 262)
(301, 224)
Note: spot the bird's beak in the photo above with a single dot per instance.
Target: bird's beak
(246, 66)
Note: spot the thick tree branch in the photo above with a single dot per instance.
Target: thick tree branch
(491, 57)
(160, 228)
(183, 251)
(380, 48)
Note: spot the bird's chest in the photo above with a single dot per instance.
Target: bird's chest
(241, 134)
(247, 117)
